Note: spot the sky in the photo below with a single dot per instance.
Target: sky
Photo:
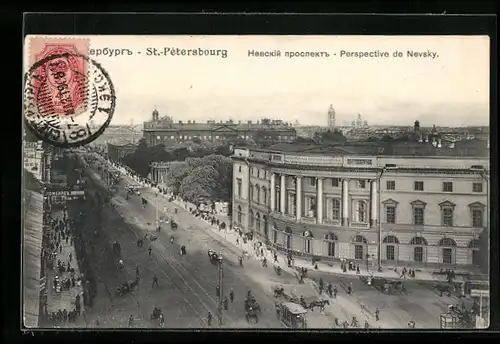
(451, 89)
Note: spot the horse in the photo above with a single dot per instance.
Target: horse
(321, 304)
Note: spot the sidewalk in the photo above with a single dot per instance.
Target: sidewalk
(64, 299)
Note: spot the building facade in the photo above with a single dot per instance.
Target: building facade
(165, 130)
(34, 159)
(386, 209)
(117, 152)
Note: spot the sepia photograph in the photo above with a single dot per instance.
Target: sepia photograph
(256, 182)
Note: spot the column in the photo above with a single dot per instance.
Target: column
(345, 202)
(298, 198)
(373, 208)
(282, 194)
(273, 192)
(319, 200)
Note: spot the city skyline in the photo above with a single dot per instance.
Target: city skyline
(452, 89)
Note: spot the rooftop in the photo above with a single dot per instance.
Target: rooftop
(472, 148)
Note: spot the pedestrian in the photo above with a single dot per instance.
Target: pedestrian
(70, 257)
(320, 285)
(377, 314)
(225, 303)
(149, 250)
(162, 320)
(217, 291)
(137, 271)
(60, 248)
(349, 288)
(357, 270)
(130, 321)
(231, 295)
(155, 281)
(366, 324)
(209, 319)
(237, 241)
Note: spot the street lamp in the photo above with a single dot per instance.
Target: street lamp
(221, 291)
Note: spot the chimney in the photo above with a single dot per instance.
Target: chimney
(189, 121)
(194, 121)
(180, 122)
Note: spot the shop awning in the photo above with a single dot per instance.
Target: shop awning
(32, 251)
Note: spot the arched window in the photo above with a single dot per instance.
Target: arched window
(419, 249)
(252, 219)
(331, 239)
(391, 243)
(251, 192)
(448, 249)
(239, 215)
(257, 194)
(360, 249)
(307, 241)
(336, 209)
(257, 222)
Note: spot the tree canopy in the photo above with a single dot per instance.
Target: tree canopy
(196, 179)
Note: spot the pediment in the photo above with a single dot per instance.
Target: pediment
(418, 203)
(477, 205)
(225, 128)
(390, 201)
(447, 204)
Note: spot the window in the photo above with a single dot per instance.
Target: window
(307, 245)
(390, 213)
(335, 209)
(447, 255)
(257, 194)
(358, 252)
(447, 187)
(477, 187)
(238, 190)
(477, 218)
(361, 184)
(418, 254)
(447, 217)
(391, 185)
(312, 181)
(335, 182)
(264, 195)
(250, 196)
(331, 240)
(418, 186)
(239, 169)
(418, 216)
(389, 252)
(361, 211)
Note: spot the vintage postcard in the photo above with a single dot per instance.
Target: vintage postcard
(256, 182)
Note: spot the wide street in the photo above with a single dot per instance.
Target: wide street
(195, 277)
(187, 283)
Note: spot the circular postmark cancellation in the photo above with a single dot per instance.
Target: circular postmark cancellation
(69, 99)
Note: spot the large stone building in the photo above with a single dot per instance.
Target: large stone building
(164, 130)
(356, 203)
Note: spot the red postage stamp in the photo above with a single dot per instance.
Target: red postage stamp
(60, 78)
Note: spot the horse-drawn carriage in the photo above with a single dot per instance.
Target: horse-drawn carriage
(252, 309)
(213, 256)
(156, 313)
(388, 286)
(126, 287)
(291, 315)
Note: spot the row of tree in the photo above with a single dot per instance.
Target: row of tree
(143, 156)
(200, 179)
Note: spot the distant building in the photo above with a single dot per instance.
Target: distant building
(119, 135)
(164, 130)
(331, 118)
(118, 152)
(159, 171)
